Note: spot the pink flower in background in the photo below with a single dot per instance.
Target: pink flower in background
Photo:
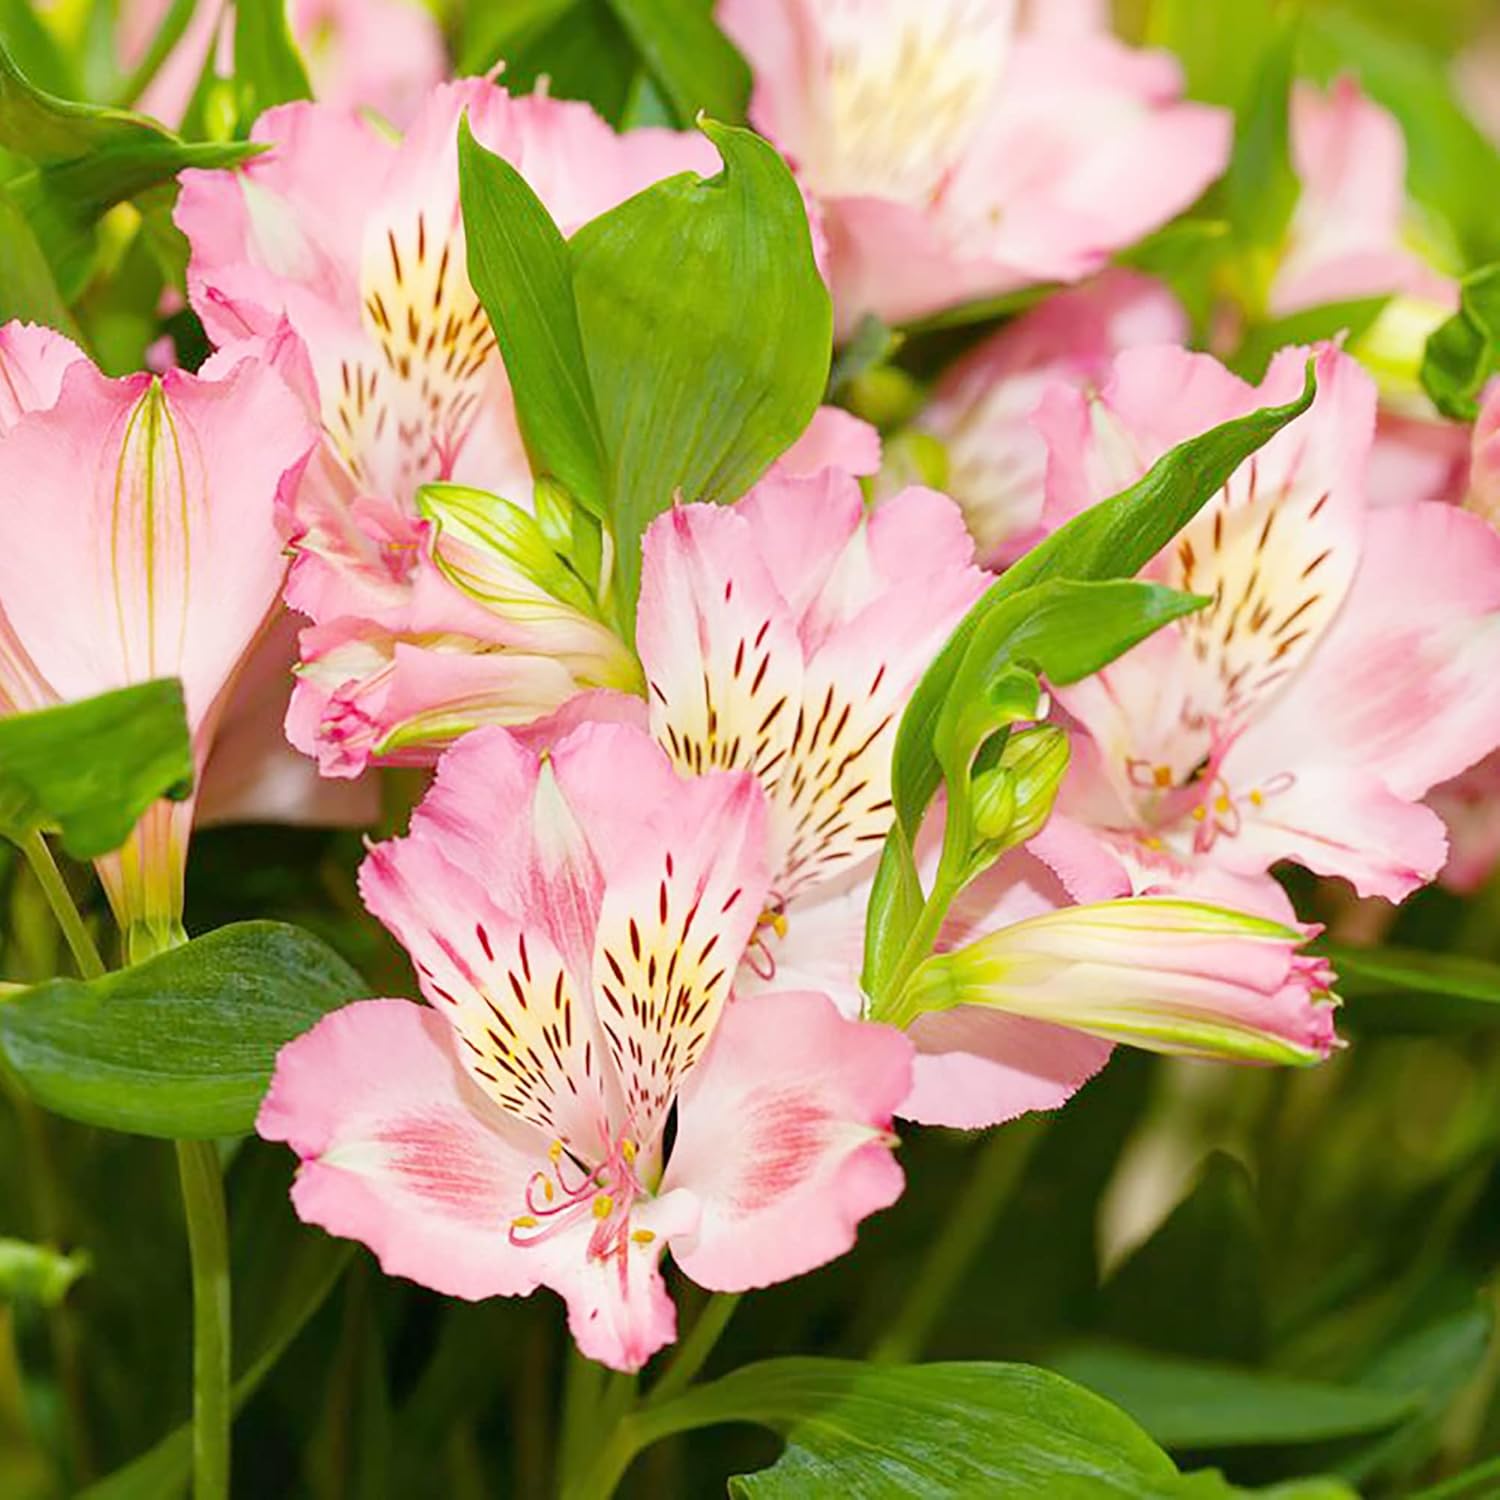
(576, 922)
(150, 551)
(1348, 235)
(783, 635)
(956, 153)
(1032, 992)
(382, 55)
(1348, 660)
(982, 408)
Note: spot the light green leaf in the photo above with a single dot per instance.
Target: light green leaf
(707, 333)
(182, 1045)
(1261, 187)
(28, 289)
(1196, 1405)
(695, 64)
(90, 769)
(268, 69)
(1220, 47)
(519, 265)
(1411, 991)
(1113, 539)
(86, 158)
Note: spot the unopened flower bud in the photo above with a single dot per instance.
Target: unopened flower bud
(1037, 760)
(994, 803)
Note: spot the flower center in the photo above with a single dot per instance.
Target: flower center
(568, 1191)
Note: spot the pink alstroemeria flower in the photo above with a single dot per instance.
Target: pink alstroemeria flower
(576, 922)
(1349, 659)
(150, 551)
(783, 635)
(982, 408)
(956, 153)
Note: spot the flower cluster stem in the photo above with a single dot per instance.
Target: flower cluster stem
(54, 888)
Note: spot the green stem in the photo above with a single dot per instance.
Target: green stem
(208, 1244)
(999, 1166)
(692, 1354)
(54, 888)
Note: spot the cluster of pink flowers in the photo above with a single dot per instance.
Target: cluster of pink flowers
(635, 893)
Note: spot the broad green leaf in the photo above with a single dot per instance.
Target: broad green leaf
(1261, 187)
(36, 1273)
(925, 1431)
(91, 768)
(1412, 991)
(182, 1045)
(707, 333)
(1113, 539)
(695, 64)
(519, 265)
(268, 69)
(85, 159)
(1195, 1286)
(493, 32)
(1464, 352)
(1196, 1405)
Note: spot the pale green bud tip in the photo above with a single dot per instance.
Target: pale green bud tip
(994, 803)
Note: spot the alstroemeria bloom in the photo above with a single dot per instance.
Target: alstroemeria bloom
(956, 153)
(783, 635)
(1028, 993)
(576, 922)
(982, 408)
(149, 550)
(1348, 661)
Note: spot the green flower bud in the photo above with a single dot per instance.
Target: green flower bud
(1037, 760)
(994, 803)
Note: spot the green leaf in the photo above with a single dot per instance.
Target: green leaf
(1220, 47)
(1195, 1286)
(26, 36)
(28, 289)
(1196, 1405)
(86, 158)
(36, 1273)
(1409, 991)
(182, 1045)
(1312, 325)
(518, 263)
(1261, 187)
(90, 769)
(695, 64)
(1464, 352)
(695, 394)
(926, 1431)
(1113, 539)
(268, 69)
(1482, 1482)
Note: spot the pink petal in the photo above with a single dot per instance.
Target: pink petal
(783, 1136)
(832, 439)
(977, 1067)
(33, 362)
(401, 1152)
(152, 508)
